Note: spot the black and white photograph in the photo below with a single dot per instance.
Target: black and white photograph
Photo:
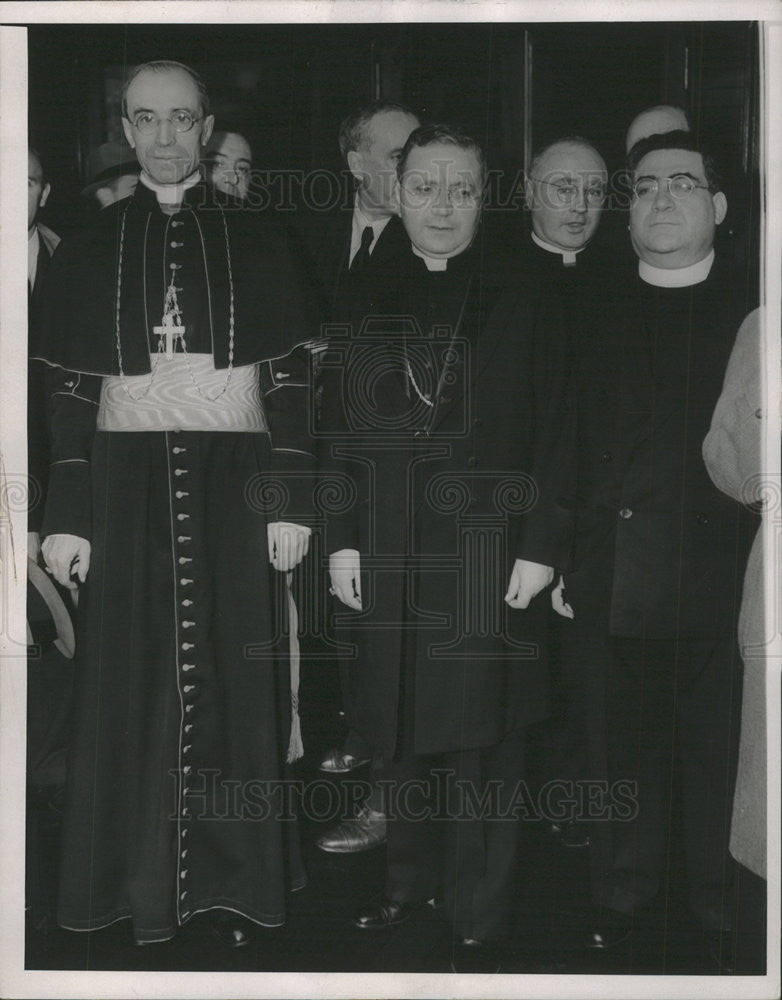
(402, 590)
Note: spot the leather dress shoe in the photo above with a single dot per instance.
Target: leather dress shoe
(232, 929)
(380, 916)
(352, 836)
(474, 957)
(338, 762)
(608, 928)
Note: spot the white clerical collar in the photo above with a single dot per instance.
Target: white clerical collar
(170, 194)
(432, 263)
(568, 256)
(676, 277)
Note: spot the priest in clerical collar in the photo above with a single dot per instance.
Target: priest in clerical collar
(565, 191)
(659, 553)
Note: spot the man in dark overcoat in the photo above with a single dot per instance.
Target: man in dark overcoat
(454, 433)
(659, 552)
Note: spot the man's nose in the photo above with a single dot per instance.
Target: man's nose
(442, 201)
(663, 198)
(579, 203)
(165, 132)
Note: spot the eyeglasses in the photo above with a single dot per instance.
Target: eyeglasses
(421, 193)
(566, 194)
(146, 122)
(680, 187)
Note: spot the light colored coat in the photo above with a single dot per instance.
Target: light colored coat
(732, 451)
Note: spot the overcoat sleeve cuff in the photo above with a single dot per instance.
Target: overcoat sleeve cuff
(68, 501)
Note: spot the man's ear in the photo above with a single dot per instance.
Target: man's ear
(206, 131)
(44, 194)
(127, 128)
(356, 164)
(720, 206)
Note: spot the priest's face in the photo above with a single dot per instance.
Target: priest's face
(674, 232)
(167, 156)
(565, 195)
(440, 196)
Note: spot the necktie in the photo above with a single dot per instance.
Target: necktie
(362, 254)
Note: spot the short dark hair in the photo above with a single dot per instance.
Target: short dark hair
(678, 139)
(162, 66)
(571, 138)
(452, 135)
(354, 130)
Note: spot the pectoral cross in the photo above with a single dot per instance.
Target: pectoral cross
(170, 331)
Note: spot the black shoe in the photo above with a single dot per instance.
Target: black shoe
(337, 761)
(574, 835)
(608, 928)
(232, 929)
(352, 836)
(474, 957)
(380, 916)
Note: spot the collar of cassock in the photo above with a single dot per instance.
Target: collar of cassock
(432, 263)
(170, 194)
(677, 277)
(568, 256)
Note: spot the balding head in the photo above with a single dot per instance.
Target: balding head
(658, 120)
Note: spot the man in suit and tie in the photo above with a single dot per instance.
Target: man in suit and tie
(368, 230)
(369, 235)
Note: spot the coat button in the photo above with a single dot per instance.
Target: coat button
(625, 513)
